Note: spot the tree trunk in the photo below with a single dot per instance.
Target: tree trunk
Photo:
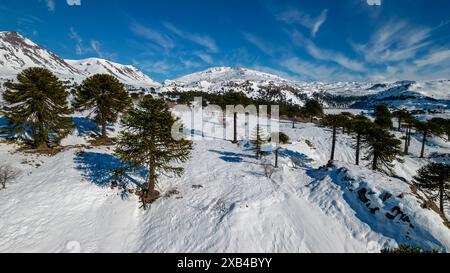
(333, 145)
(293, 123)
(104, 135)
(424, 140)
(375, 161)
(276, 158)
(406, 142)
(441, 196)
(358, 144)
(399, 124)
(235, 128)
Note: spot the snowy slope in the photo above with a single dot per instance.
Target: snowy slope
(18, 53)
(125, 73)
(223, 203)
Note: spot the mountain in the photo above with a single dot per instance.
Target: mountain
(18, 53)
(254, 84)
(125, 73)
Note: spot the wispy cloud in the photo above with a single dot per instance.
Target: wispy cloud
(200, 39)
(152, 35)
(373, 2)
(95, 47)
(308, 70)
(325, 54)
(294, 16)
(394, 41)
(259, 43)
(434, 58)
(207, 58)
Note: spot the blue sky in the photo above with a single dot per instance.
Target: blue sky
(308, 40)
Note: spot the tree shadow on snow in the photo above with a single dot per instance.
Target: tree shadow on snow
(298, 159)
(100, 168)
(88, 127)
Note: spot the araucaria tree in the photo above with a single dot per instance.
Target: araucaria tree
(383, 148)
(401, 115)
(383, 117)
(105, 96)
(359, 126)
(147, 142)
(335, 122)
(427, 129)
(311, 109)
(36, 108)
(435, 178)
(258, 139)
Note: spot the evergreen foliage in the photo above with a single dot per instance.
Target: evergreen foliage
(105, 96)
(147, 142)
(36, 108)
(435, 178)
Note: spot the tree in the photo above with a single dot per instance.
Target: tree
(444, 125)
(383, 148)
(292, 112)
(408, 123)
(426, 128)
(7, 174)
(333, 121)
(147, 142)
(346, 124)
(36, 108)
(401, 115)
(383, 116)
(359, 125)
(257, 140)
(435, 177)
(312, 108)
(105, 96)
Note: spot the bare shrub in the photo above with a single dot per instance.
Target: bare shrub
(269, 170)
(7, 174)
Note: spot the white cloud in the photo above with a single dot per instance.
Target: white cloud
(326, 55)
(204, 57)
(374, 2)
(74, 2)
(293, 16)
(152, 35)
(434, 58)
(94, 47)
(199, 39)
(308, 70)
(394, 41)
(259, 43)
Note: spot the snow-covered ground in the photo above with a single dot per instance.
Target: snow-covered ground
(223, 203)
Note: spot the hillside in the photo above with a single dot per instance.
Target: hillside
(223, 203)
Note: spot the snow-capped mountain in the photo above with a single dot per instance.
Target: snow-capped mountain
(18, 53)
(125, 73)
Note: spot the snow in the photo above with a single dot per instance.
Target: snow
(125, 73)
(64, 203)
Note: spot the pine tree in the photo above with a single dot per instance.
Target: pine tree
(383, 148)
(383, 117)
(36, 107)
(347, 119)
(433, 178)
(147, 142)
(312, 108)
(105, 96)
(360, 125)
(444, 126)
(426, 128)
(401, 116)
(408, 124)
(257, 140)
(335, 122)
